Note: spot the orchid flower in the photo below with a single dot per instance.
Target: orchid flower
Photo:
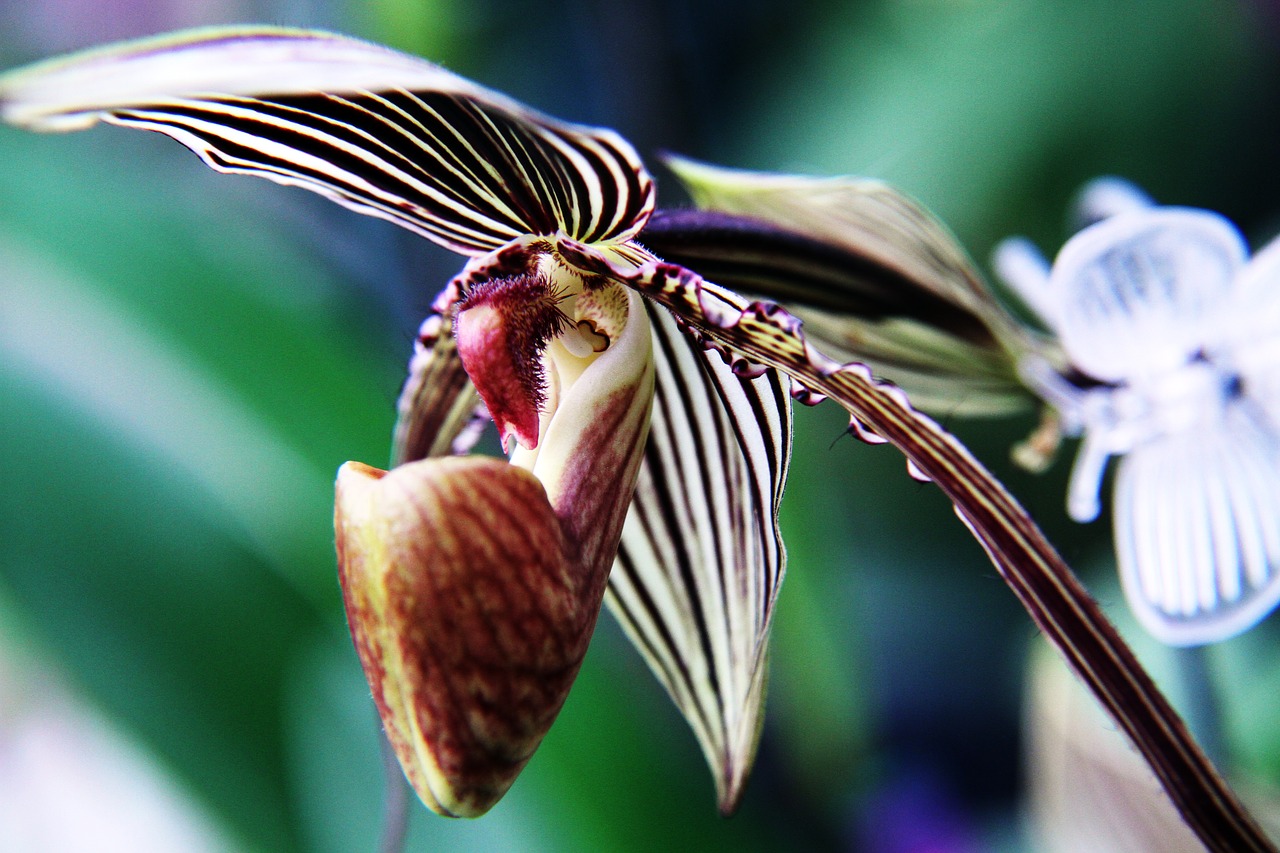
(471, 585)
(1171, 332)
(644, 407)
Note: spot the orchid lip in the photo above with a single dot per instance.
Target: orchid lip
(470, 580)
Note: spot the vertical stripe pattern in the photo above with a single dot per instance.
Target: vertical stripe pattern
(702, 558)
(438, 404)
(1197, 527)
(1043, 583)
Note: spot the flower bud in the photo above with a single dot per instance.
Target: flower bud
(470, 615)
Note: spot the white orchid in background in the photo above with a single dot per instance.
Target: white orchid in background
(644, 407)
(1173, 334)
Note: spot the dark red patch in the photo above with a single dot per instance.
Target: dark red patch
(502, 327)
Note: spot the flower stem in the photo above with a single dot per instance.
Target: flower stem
(395, 804)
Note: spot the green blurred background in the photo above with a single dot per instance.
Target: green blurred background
(185, 359)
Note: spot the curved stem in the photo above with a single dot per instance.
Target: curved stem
(395, 803)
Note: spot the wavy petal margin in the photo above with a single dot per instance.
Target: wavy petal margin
(1060, 606)
(875, 276)
(702, 558)
(382, 133)
(858, 306)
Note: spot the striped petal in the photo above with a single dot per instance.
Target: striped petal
(1060, 606)
(863, 216)
(702, 558)
(873, 274)
(438, 403)
(1197, 521)
(380, 132)
(860, 308)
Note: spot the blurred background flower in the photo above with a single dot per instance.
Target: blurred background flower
(185, 359)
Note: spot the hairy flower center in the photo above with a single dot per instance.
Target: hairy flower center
(525, 339)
